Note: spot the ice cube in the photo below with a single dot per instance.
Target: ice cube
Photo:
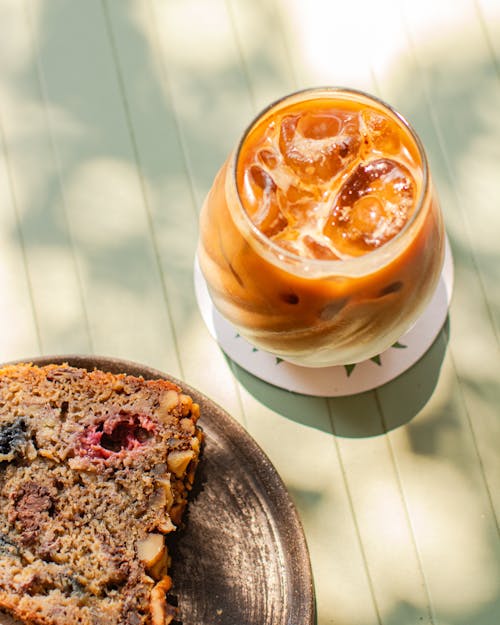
(316, 146)
(372, 206)
(268, 158)
(318, 250)
(259, 177)
(298, 205)
(319, 125)
(382, 133)
(264, 209)
(288, 245)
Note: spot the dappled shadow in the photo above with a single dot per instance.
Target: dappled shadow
(128, 133)
(126, 152)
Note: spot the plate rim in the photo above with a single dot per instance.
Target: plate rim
(300, 587)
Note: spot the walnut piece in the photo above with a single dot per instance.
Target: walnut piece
(178, 460)
(151, 549)
(160, 613)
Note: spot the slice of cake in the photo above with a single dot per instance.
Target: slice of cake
(95, 469)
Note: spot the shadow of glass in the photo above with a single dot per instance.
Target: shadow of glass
(308, 410)
(356, 416)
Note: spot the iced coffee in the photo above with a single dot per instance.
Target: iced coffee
(321, 239)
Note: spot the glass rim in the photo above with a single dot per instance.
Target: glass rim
(352, 261)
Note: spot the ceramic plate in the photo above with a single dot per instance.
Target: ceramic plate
(241, 558)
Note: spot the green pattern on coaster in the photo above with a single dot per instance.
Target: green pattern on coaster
(376, 359)
(398, 345)
(348, 368)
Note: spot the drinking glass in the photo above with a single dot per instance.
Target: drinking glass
(321, 239)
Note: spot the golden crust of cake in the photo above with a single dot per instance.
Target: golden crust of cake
(95, 469)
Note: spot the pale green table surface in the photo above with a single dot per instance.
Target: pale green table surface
(114, 117)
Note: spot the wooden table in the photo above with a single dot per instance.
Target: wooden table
(114, 117)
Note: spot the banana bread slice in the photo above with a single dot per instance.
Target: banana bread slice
(95, 469)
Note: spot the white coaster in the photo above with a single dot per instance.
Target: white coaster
(341, 379)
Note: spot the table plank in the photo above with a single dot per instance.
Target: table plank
(263, 51)
(476, 350)
(36, 192)
(327, 45)
(101, 185)
(489, 16)
(17, 314)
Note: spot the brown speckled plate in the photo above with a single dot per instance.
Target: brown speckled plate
(241, 558)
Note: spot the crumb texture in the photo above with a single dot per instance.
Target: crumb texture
(95, 470)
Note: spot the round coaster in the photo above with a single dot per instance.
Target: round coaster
(341, 379)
